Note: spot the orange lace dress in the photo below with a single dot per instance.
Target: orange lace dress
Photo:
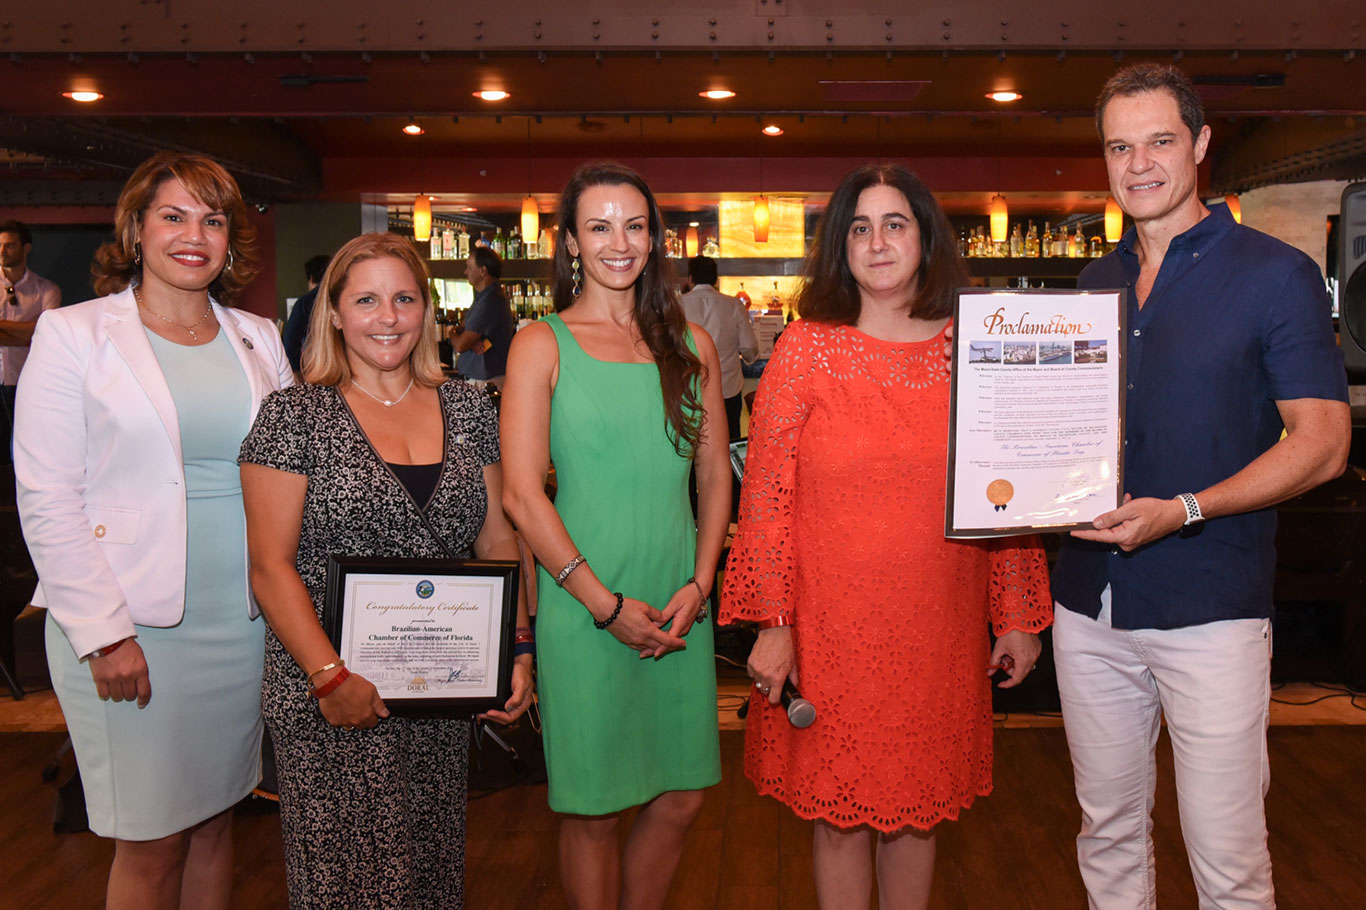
(842, 531)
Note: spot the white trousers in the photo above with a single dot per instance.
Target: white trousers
(1213, 683)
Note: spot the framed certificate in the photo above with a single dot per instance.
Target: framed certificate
(435, 636)
(1036, 422)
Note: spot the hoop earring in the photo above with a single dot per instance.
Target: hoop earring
(137, 252)
(228, 267)
(578, 279)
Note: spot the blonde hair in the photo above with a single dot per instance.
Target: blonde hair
(324, 355)
(118, 262)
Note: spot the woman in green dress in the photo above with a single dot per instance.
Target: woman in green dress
(624, 395)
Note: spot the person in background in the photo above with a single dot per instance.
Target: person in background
(622, 393)
(1165, 607)
(481, 343)
(27, 295)
(728, 324)
(377, 455)
(131, 410)
(841, 558)
(296, 327)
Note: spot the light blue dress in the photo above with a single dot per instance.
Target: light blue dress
(195, 749)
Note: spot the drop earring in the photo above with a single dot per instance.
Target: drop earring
(578, 278)
(137, 252)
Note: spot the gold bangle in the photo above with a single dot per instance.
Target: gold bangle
(776, 622)
(332, 666)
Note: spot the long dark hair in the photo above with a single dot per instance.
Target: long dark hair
(831, 294)
(658, 314)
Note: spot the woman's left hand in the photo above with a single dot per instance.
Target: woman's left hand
(1015, 652)
(521, 693)
(683, 608)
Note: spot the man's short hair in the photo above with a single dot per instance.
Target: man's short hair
(1153, 77)
(488, 260)
(17, 227)
(315, 266)
(702, 270)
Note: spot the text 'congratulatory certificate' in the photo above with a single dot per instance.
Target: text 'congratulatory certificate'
(1036, 423)
(430, 634)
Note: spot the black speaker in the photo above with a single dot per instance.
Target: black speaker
(1351, 275)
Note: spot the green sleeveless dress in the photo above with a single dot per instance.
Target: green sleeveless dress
(619, 730)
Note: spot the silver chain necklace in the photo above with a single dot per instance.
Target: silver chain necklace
(191, 328)
(384, 401)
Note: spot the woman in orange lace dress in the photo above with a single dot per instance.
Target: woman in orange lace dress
(841, 557)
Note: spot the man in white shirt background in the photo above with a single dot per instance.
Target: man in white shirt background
(728, 324)
(23, 297)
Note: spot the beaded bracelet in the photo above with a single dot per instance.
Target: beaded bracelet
(604, 623)
(702, 608)
(330, 686)
(568, 567)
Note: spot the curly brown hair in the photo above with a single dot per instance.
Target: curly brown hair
(117, 262)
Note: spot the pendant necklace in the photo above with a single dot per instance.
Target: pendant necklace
(191, 328)
(384, 401)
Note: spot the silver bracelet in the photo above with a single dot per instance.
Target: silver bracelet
(568, 568)
(702, 608)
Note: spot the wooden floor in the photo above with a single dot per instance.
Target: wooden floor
(1012, 850)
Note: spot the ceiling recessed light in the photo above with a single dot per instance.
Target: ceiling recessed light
(468, 208)
(1004, 96)
(717, 94)
(84, 96)
(772, 129)
(412, 129)
(492, 94)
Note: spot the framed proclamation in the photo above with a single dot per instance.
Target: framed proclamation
(1036, 421)
(435, 636)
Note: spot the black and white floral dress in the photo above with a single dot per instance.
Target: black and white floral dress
(371, 818)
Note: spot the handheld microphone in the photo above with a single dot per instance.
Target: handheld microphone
(800, 712)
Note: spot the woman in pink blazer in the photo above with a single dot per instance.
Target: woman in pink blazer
(129, 415)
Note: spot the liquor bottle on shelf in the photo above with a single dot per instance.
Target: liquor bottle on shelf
(1031, 244)
(513, 245)
(741, 296)
(1046, 241)
(1096, 249)
(711, 249)
(447, 242)
(775, 300)
(1016, 243)
(1076, 244)
(543, 248)
(962, 243)
(434, 243)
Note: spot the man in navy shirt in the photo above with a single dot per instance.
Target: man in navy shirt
(1164, 608)
(482, 342)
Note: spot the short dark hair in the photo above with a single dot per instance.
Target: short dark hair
(17, 227)
(1153, 77)
(487, 259)
(831, 295)
(315, 266)
(702, 270)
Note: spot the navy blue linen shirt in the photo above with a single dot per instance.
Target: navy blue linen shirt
(1235, 322)
(491, 317)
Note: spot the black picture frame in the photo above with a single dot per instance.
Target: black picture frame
(415, 701)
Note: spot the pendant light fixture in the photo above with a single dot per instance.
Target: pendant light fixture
(531, 213)
(690, 240)
(1000, 215)
(761, 213)
(1114, 220)
(1235, 208)
(422, 217)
